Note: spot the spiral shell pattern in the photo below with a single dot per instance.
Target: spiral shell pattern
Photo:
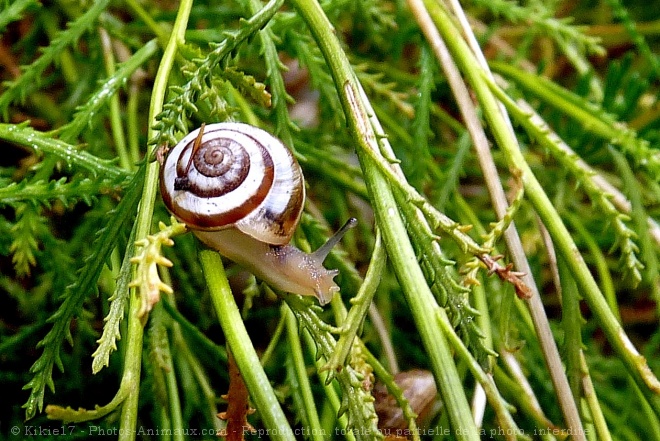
(238, 176)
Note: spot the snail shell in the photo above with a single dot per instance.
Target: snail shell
(241, 192)
(418, 386)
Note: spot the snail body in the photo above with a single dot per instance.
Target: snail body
(241, 192)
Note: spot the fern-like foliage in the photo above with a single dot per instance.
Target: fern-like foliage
(374, 21)
(28, 227)
(541, 19)
(118, 302)
(622, 14)
(248, 85)
(374, 86)
(108, 88)
(41, 142)
(640, 218)
(147, 279)
(14, 11)
(67, 191)
(173, 117)
(447, 290)
(31, 74)
(623, 89)
(75, 295)
(274, 69)
(420, 126)
(356, 402)
(539, 130)
(591, 117)
(303, 49)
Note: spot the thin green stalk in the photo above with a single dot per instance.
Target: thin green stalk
(571, 321)
(653, 431)
(274, 340)
(132, 117)
(427, 15)
(135, 331)
(633, 361)
(591, 398)
(241, 347)
(576, 364)
(173, 409)
(393, 388)
(525, 402)
(115, 112)
(213, 354)
(501, 407)
(158, 30)
(311, 416)
(328, 387)
(355, 318)
(606, 283)
(130, 382)
(400, 250)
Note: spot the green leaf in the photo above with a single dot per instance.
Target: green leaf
(76, 294)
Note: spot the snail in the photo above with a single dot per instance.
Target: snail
(418, 387)
(241, 192)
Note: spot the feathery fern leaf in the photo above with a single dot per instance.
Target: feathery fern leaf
(31, 74)
(74, 297)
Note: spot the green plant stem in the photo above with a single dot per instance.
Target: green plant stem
(132, 112)
(576, 364)
(606, 283)
(352, 322)
(501, 407)
(274, 340)
(400, 250)
(572, 323)
(330, 390)
(311, 417)
(213, 354)
(132, 365)
(633, 361)
(135, 331)
(158, 30)
(173, 409)
(393, 388)
(443, 37)
(525, 402)
(591, 398)
(241, 347)
(115, 112)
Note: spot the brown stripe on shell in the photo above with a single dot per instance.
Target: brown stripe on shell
(209, 221)
(284, 223)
